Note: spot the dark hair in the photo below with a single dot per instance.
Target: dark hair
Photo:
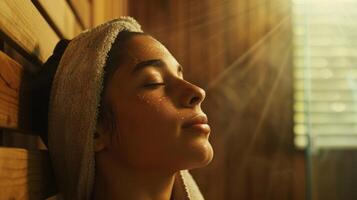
(42, 83)
(40, 90)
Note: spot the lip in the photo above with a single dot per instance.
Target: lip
(198, 122)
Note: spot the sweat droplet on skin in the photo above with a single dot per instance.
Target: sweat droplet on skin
(143, 98)
(179, 114)
(140, 96)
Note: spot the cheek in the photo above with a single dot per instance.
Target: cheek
(149, 135)
(159, 106)
(148, 127)
(142, 106)
(156, 115)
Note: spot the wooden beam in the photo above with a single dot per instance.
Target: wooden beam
(25, 174)
(103, 11)
(22, 26)
(10, 79)
(82, 10)
(16, 113)
(60, 17)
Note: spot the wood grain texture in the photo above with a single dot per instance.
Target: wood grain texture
(15, 97)
(10, 79)
(333, 174)
(61, 16)
(103, 11)
(82, 9)
(22, 25)
(25, 174)
(244, 47)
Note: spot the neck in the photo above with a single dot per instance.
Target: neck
(119, 182)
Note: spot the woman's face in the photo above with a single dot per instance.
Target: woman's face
(154, 106)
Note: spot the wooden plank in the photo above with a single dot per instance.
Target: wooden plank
(236, 37)
(10, 79)
(15, 103)
(216, 53)
(60, 16)
(82, 10)
(25, 174)
(98, 16)
(23, 26)
(117, 8)
(16, 139)
(103, 11)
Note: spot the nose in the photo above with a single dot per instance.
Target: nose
(192, 95)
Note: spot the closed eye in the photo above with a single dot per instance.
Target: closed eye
(154, 85)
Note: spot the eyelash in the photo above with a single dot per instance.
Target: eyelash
(154, 85)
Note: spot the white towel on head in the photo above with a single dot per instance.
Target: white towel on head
(73, 108)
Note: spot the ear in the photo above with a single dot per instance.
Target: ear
(100, 140)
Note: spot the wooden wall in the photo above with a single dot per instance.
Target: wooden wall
(333, 174)
(29, 30)
(240, 52)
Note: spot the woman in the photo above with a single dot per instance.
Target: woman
(122, 121)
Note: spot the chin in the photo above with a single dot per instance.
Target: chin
(200, 155)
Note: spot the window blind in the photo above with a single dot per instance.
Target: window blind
(325, 73)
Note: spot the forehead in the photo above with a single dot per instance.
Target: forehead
(143, 47)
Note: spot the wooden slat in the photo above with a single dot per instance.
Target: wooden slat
(16, 111)
(22, 24)
(19, 140)
(60, 16)
(82, 8)
(10, 79)
(98, 15)
(25, 174)
(103, 11)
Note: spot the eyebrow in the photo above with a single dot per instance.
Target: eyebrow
(154, 63)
